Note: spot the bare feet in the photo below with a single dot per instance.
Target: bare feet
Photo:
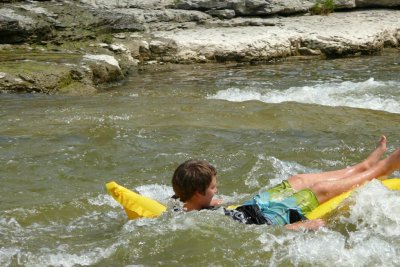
(375, 156)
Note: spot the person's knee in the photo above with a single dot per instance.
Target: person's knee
(298, 182)
(321, 191)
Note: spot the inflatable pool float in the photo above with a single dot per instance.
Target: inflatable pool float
(138, 206)
(135, 205)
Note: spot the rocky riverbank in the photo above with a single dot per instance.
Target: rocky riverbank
(76, 47)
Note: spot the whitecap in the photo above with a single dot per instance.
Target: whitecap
(328, 246)
(103, 200)
(369, 94)
(7, 255)
(374, 209)
(59, 257)
(156, 191)
(285, 169)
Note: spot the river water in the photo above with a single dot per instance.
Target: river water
(257, 124)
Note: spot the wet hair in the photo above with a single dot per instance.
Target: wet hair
(192, 176)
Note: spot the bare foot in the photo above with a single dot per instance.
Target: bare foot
(375, 156)
(382, 143)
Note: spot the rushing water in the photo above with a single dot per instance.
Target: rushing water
(257, 124)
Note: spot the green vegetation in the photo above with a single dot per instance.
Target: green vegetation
(65, 80)
(106, 38)
(323, 7)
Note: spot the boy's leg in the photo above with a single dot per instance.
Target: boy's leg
(302, 181)
(326, 190)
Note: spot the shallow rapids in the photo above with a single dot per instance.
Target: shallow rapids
(256, 124)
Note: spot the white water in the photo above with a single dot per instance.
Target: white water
(369, 94)
(376, 222)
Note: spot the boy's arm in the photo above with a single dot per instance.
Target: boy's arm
(308, 224)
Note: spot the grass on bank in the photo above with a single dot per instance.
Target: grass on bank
(323, 7)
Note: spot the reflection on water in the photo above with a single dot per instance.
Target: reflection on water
(257, 124)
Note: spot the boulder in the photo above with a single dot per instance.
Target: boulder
(103, 68)
(52, 73)
(124, 21)
(33, 76)
(17, 28)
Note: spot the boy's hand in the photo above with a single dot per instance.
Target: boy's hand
(216, 202)
(309, 225)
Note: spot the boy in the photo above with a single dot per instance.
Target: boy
(195, 184)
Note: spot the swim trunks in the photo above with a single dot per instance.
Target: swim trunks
(281, 205)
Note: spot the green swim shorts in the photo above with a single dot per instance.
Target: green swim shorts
(276, 202)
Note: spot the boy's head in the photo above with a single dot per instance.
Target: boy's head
(192, 176)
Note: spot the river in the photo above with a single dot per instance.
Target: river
(258, 124)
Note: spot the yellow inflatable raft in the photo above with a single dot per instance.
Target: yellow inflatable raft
(135, 205)
(138, 206)
(330, 205)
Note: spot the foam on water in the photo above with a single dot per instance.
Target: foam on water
(155, 191)
(281, 171)
(370, 226)
(370, 244)
(326, 246)
(369, 94)
(99, 119)
(66, 239)
(380, 215)
(61, 257)
(7, 254)
(102, 200)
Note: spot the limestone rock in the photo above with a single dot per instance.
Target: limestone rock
(376, 3)
(337, 35)
(104, 68)
(117, 22)
(248, 7)
(53, 73)
(17, 28)
(205, 4)
(142, 4)
(258, 7)
(222, 13)
(344, 4)
(139, 20)
(24, 78)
